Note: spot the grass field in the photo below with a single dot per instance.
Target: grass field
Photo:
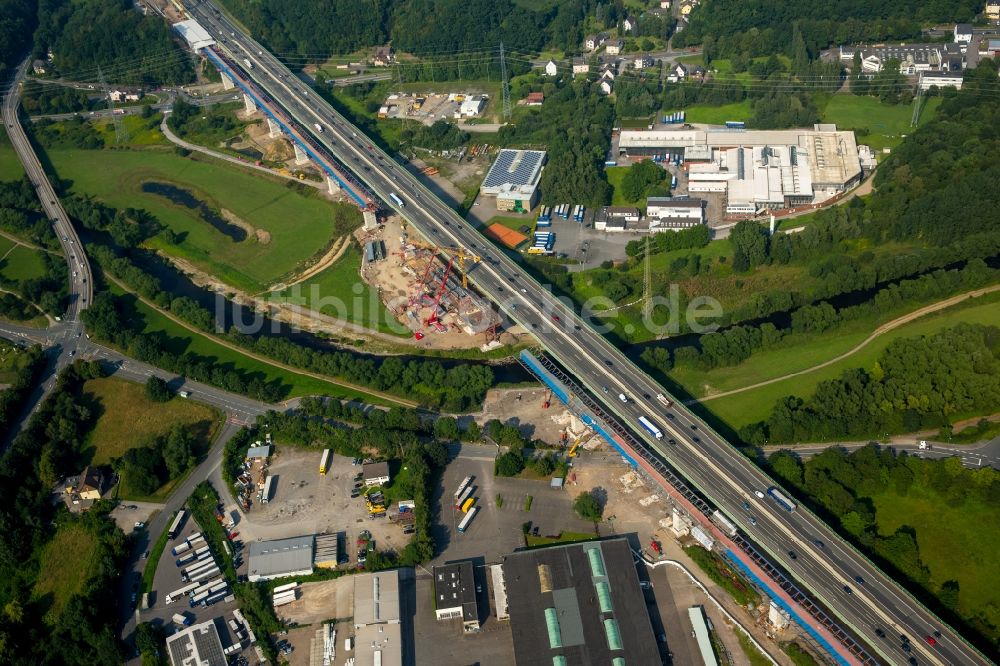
(141, 131)
(718, 115)
(340, 292)
(180, 340)
(615, 176)
(887, 123)
(957, 542)
(755, 405)
(66, 564)
(10, 166)
(299, 226)
(128, 418)
(12, 359)
(564, 537)
(19, 262)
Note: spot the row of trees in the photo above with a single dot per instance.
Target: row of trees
(27, 365)
(917, 383)
(842, 485)
(17, 21)
(442, 135)
(83, 632)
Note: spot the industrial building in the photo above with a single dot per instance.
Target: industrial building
(941, 80)
(513, 179)
(378, 635)
(455, 594)
(280, 558)
(578, 604)
(674, 213)
(471, 106)
(696, 614)
(615, 218)
(913, 58)
(757, 170)
(197, 645)
(376, 474)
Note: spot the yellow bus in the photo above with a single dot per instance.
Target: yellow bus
(468, 504)
(324, 462)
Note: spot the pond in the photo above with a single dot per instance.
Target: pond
(182, 197)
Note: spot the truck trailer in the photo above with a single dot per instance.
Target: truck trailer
(182, 620)
(464, 525)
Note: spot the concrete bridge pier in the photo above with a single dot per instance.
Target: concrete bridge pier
(227, 83)
(300, 155)
(249, 104)
(274, 128)
(332, 185)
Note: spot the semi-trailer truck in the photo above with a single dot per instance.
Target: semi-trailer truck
(650, 427)
(246, 61)
(177, 550)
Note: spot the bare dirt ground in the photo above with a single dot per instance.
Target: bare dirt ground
(262, 236)
(524, 408)
(321, 601)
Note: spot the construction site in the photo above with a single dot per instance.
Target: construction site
(426, 288)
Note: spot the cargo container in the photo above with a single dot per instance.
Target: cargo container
(177, 594)
(215, 598)
(175, 526)
(464, 525)
(723, 523)
(198, 598)
(468, 504)
(195, 540)
(177, 550)
(184, 559)
(735, 124)
(284, 588)
(205, 575)
(203, 549)
(266, 493)
(181, 620)
(324, 461)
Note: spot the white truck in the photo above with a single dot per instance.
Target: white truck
(246, 61)
(319, 128)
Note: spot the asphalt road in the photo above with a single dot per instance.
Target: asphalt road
(705, 459)
(80, 280)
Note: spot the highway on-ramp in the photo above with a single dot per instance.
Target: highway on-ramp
(836, 574)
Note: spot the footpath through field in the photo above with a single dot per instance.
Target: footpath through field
(881, 330)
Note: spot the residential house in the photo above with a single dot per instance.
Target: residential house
(629, 24)
(383, 56)
(605, 86)
(376, 474)
(963, 33)
(124, 96)
(608, 72)
(643, 61)
(535, 99)
(594, 42)
(580, 66)
(678, 73)
(615, 46)
(989, 48)
(686, 9)
(992, 11)
(39, 67)
(551, 68)
(88, 486)
(664, 4)
(698, 72)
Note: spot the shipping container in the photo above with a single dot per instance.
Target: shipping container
(184, 559)
(205, 575)
(266, 494)
(182, 620)
(177, 550)
(218, 596)
(284, 588)
(198, 598)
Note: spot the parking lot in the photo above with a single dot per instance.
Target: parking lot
(588, 246)
(168, 579)
(305, 502)
(496, 530)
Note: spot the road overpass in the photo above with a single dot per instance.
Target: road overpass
(825, 564)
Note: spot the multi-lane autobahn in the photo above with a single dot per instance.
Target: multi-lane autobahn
(878, 610)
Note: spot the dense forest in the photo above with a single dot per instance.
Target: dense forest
(17, 22)
(82, 629)
(849, 489)
(917, 383)
(727, 27)
(127, 46)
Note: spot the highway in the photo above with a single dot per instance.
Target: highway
(80, 278)
(823, 562)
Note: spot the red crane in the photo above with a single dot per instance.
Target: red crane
(440, 292)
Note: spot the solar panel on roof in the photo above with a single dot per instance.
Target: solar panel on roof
(516, 167)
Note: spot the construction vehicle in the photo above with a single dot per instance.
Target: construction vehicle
(655, 545)
(573, 449)
(547, 400)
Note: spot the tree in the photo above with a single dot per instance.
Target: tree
(148, 638)
(639, 178)
(446, 428)
(157, 390)
(177, 450)
(588, 507)
(949, 593)
(509, 464)
(749, 241)
(473, 433)
(437, 454)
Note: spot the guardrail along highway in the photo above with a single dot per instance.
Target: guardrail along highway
(865, 599)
